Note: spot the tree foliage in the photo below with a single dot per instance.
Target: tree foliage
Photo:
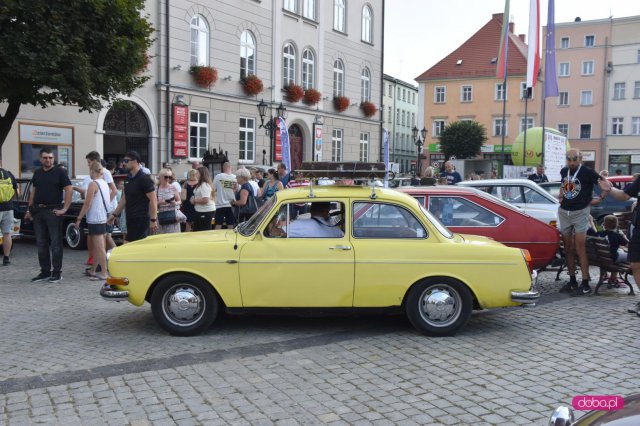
(70, 52)
(462, 139)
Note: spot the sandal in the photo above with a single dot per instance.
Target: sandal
(88, 272)
(97, 278)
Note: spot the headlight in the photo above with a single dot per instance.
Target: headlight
(562, 416)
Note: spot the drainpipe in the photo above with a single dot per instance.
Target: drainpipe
(167, 95)
(382, 91)
(604, 159)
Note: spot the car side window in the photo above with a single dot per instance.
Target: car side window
(318, 219)
(510, 194)
(533, 196)
(381, 220)
(457, 211)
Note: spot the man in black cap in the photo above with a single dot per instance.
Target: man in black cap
(139, 197)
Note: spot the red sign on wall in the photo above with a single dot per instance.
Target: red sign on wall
(278, 147)
(180, 131)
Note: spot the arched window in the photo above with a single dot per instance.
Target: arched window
(288, 64)
(367, 27)
(339, 7)
(199, 41)
(247, 54)
(365, 85)
(338, 78)
(308, 69)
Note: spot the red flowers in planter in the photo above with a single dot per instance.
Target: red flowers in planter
(204, 75)
(341, 103)
(293, 93)
(311, 97)
(368, 108)
(251, 85)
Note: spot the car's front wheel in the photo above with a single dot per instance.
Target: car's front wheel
(184, 305)
(75, 237)
(439, 306)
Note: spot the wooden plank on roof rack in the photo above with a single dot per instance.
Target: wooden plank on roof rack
(343, 170)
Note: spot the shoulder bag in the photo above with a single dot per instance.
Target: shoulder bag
(167, 217)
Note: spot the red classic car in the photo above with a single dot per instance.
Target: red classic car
(470, 211)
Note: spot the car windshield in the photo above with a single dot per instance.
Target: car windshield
(435, 221)
(247, 228)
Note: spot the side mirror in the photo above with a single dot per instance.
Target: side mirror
(562, 416)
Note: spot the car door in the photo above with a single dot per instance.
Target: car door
(277, 271)
(391, 246)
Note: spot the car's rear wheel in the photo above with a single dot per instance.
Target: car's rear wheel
(439, 306)
(75, 237)
(184, 305)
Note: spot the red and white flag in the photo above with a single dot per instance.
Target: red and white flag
(533, 55)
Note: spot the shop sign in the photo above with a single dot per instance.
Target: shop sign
(30, 133)
(588, 155)
(180, 131)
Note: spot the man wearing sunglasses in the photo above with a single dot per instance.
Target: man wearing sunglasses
(47, 207)
(576, 193)
(139, 197)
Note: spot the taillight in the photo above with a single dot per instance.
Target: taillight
(527, 258)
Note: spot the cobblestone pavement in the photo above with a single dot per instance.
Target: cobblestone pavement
(68, 357)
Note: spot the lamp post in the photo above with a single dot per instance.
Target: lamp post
(271, 127)
(419, 144)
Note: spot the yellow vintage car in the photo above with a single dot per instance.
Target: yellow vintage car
(341, 247)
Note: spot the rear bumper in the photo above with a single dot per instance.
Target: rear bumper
(527, 298)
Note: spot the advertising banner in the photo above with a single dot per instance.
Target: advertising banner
(317, 142)
(284, 140)
(180, 131)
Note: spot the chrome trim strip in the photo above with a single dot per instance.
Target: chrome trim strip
(167, 260)
(444, 262)
(529, 242)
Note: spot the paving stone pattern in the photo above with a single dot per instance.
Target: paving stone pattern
(67, 357)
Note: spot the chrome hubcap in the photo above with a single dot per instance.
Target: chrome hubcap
(440, 305)
(183, 305)
(73, 235)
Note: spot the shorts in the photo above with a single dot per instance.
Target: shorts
(6, 221)
(225, 215)
(97, 228)
(574, 221)
(137, 229)
(633, 251)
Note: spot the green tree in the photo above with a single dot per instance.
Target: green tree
(70, 52)
(462, 139)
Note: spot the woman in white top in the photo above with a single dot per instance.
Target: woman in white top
(203, 202)
(96, 208)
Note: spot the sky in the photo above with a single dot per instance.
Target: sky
(419, 33)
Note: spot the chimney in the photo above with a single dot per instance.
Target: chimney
(522, 37)
(497, 16)
(511, 26)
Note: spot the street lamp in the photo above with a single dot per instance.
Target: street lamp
(419, 143)
(271, 127)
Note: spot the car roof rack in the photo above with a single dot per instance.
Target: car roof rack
(356, 170)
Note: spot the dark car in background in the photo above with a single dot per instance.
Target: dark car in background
(74, 237)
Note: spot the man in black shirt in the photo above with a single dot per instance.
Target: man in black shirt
(6, 211)
(539, 176)
(47, 208)
(632, 191)
(139, 197)
(576, 193)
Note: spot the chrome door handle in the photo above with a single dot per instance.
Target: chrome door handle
(340, 248)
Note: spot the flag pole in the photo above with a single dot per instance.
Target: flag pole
(526, 127)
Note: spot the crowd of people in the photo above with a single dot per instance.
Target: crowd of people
(141, 206)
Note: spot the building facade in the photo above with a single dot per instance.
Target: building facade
(463, 86)
(623, 100)
(334, 47)
(399, 112)
(582, 55)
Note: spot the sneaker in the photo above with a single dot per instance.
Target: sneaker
(55, 277)
(42, 276)
(583, 289)
(571, 286)
(6, 261)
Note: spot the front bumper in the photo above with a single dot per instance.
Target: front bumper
(528, 298)
(112, 294)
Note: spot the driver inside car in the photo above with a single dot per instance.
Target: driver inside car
(318, 225)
